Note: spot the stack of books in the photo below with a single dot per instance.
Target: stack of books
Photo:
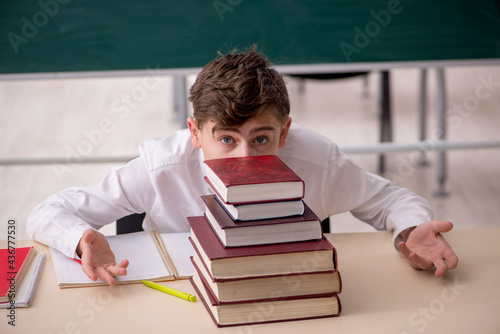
(260, 254)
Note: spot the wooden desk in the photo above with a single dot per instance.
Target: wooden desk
(381, 294)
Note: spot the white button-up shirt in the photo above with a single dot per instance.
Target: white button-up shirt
(166, 181)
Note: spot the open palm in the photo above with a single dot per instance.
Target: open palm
(98, 260)
(426, 247)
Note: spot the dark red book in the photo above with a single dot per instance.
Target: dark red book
(253, 179)
(259, 232)
(266, 260)
(254, 312)
(264, 287)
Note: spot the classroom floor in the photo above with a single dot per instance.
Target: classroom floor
(112, 116)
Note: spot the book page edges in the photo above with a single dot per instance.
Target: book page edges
(21, 273)
(216, 322)
(164, 254)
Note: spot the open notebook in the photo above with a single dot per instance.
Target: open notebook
(153, 256)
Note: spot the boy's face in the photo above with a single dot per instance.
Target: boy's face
(260, 135)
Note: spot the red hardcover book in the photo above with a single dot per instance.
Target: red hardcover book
(259, 232)
(253, 179)
(264, 287)
(14, 263)
(266, 260)
(275, 309)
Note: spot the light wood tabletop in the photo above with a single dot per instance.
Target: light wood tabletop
(381, 294)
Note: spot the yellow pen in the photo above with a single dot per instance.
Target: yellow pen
(171, 291)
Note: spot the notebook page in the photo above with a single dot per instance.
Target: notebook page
(142, 253)
(139, 248)
(180, 250)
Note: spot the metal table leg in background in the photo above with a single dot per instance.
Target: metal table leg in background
(422, 114)
(180, 99)
(385, 116)
(441, 112)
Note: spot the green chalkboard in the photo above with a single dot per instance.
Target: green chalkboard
(88, 35)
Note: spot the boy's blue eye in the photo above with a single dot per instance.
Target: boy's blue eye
(261, 140)
(226, 140)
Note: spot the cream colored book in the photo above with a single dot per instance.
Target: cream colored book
(153, 256)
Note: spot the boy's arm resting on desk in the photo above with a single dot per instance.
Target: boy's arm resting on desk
(371, 198)
(416, 235)
(377, 202)
(63, 219)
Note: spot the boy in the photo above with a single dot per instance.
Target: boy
(241, 108)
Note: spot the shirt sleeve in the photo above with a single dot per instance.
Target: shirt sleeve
(60, 220)
(372, 198)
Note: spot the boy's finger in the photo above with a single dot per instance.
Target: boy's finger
(414, 259)
(89, 271)
(105, 275)
(452, 261)
(117, 270)
(420, 262)
(407, 253)
(441, 267)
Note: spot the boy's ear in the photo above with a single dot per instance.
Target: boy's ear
(195, 132)
(284, 132)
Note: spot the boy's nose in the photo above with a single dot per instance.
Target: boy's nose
(245, 150)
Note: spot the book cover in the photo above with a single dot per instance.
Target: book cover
(226, 222)
(285, 258)
(14, 263)
(260, 232)
(253, 179)
(283, 309)
(261, 288)
(26, 292)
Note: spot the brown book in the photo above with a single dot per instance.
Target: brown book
(260, 232)
(265, 260)
(261, 288)
(274, 309)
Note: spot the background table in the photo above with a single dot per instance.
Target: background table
(381, 294)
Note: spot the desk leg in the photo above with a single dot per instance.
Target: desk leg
(385, 116)
(441, 112)
(180, 99)
(422, 113)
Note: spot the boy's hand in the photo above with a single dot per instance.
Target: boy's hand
(98, 261)
(426, 247)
